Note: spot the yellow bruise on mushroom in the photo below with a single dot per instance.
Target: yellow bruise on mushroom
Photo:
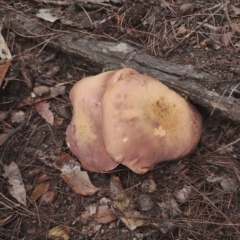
(130, 118)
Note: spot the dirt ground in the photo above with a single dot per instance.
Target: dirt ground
(196, 197)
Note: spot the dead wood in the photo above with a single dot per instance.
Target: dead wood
(105, 55)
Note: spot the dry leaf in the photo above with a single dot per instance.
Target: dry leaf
(39, 190)
(47, 15)
(226, 38)
(59, 232)
(57, 90)
(16, 189)
(17, 117)
(76, 179)
(183, 194)
(229, 185)
(181, 31)
(90, 211)
(123, 206)
(3, 68)
(124, 209)
(104, 214)
(48, 197)
(91, 228)
(115, 185)
(187, 8)
(233, 11)
(149, 186)
(43, 109)
(41, 90)
(170, 207)
(2, 136)
(3, 115)
(27, 76)
(5, 58)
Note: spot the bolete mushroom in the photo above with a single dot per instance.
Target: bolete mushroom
(130, 118)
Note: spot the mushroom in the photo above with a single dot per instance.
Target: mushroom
(84, 134)
(130, 118)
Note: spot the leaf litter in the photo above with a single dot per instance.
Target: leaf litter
(43, 109)
(196, 209)
(59, 232)
(77, 179)
(16, 188)
(5, 57)
(39, 189)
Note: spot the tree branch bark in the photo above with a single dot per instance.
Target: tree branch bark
(104, 55)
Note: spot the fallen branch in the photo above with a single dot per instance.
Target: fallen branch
(103, 55)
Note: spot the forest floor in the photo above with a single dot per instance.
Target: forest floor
(196, 197)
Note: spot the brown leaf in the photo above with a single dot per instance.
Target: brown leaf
(181, 31)
(47, 14)
(124, 209)
(5, 58)
(3, 115)
(233, 11)
(226, 38)
(41, 90)
(183, 194)
(16, 189)
(187, 8)
(39, 190)
(90, 211)
(170, 207)
(59, 232)
(17, 117)
(115, 185)
(229, 185)
(91, 229)
(43, 109)
(149, 186)
(27, 76)
(57, 90)
(105, 214)
(3, 69)
(71, 172)
(48, 197)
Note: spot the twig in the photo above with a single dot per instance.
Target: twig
(195, 29)
(228, 18)
(13, 132)
(218, 102)
(228, 145)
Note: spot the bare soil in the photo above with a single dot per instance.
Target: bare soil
(164, 29)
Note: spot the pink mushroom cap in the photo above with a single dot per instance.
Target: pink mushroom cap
(130, 118)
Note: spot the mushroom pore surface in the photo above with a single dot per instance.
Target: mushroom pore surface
(130, 118)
